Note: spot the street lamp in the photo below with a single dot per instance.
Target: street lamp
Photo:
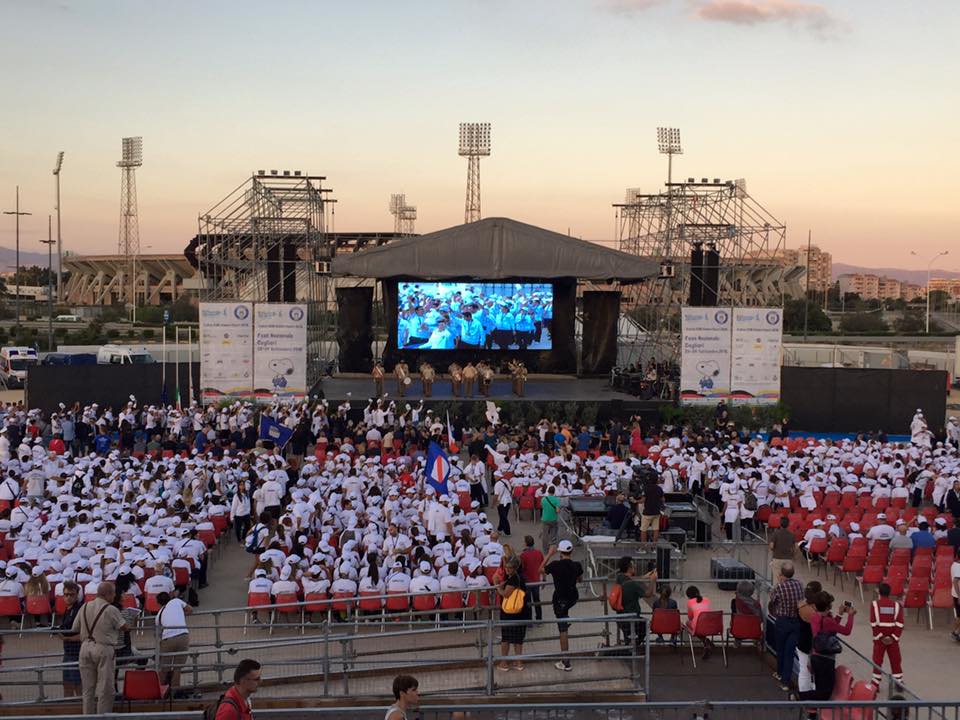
(56, 174)
(929, 267)
(17, 213)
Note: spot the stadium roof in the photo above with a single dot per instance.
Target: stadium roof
(495, 249)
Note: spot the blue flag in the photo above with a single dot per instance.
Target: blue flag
(273, 431)
(438, 468)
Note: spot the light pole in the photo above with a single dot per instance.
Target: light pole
(17, 213)
(56, 174)
(929, 268)
(49, 242)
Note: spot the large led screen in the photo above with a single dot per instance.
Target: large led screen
(474, 316)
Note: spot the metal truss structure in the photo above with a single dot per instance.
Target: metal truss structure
(474, 144)
(128, 242)
(267, 241)
(708, 214)
(404, 216)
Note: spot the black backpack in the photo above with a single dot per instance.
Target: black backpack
(210, 711)
(750, 501)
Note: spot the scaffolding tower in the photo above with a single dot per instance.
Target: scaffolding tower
(128, 242)
(404, 216)
(707, 214)
(267, 241)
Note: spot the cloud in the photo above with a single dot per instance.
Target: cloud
(627, 7)
(811, 16)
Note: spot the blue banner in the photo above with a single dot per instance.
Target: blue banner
(438, 468)
(273, 431)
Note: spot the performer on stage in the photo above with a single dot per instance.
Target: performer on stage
(378, 374)
(456, 378)
(469, 375)
(427, 375)
(518, 376)
(403, 377)
(486, 377)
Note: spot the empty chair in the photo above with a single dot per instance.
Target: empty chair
(144, 685)
(746, 628)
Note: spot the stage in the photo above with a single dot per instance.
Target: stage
(539, 388)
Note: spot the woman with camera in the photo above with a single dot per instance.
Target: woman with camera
(826, 645)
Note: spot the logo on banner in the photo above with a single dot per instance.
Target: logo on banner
(241, 312)
(721, 316)
(296, 314)
(773, 317)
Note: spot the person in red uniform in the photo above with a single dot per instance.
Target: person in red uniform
(235, 704)
(886, 622)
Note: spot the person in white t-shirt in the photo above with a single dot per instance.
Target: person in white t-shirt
(174, 638)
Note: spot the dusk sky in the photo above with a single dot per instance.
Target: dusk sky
(842, 116)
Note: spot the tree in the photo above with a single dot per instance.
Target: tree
(817, 320)
(863, 322)
(910, 322)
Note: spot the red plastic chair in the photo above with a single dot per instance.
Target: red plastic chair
(254, 600)
(424, 602)
(129, 602)
(397, 602)
(219, 523)
(864, 692)
(145, 685)
(450, 601)
(872, 575)
(208, 537)
(746, 628)
(291, 609)
(817, 546)
(527, 503)
(181, 576)
(37, 606)
(709, 625)
(917, 597)
(842, 683)
(59, 606)
(151, 604)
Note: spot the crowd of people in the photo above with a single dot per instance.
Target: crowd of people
(116, 505)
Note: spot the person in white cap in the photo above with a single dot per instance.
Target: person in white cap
(881, 531)
(816, 531)
(566, 573)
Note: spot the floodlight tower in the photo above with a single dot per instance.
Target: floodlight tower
(129, 241)
(668, 142)
(56, 174)
(397, 201)
(474, 144)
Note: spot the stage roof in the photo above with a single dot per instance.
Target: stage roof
(494, 249)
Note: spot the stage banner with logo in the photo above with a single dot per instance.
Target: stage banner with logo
(756, 358)
(226, 350)
(705, 355)
(280, 351)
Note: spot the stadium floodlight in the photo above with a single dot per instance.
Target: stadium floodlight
(56, 168)
(132, 152)
(668, 141)
(474, 139)
(397, 203)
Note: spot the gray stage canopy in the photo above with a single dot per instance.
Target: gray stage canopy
(495, 249)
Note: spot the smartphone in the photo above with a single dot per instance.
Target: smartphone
(847, 604)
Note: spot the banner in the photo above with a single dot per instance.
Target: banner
(438, 468)
(226, 350)
(757, 345)
(273, 431)
(280, 350)
(705, 355)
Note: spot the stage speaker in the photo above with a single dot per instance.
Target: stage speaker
(711, 277)
(274, 274)
(601, 313)
(289, 271)
(355, 328)
(696, 276)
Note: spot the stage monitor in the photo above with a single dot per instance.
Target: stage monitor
(474, 316)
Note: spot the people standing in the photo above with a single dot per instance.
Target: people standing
(886, 622)
(174, 638)
(503, 494)
(632, 591)
(652, 508)
(240, 511)
(530, 561)
(825, 626)
(71, 641)
(783, 545)
(406, 696)
(235, 702)
(784, 601)
(99, 624)
(566, 573)
(805, 611)
(549, 504)
(514, 609)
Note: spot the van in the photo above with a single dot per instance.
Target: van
(67, 318)
(56, 358)
(122, 355)
(13, 365)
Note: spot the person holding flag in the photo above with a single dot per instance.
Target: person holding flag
(437, 471)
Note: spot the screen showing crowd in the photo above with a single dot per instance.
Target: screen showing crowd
(474, 316)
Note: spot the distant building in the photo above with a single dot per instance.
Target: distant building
(879, 287)
(820, 266)
(951, 286)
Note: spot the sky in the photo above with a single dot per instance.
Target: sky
(841, 115)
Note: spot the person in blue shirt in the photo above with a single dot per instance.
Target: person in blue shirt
(486, 317)
(525, 327)
(583, 439)
(471, 332)
(441, 338)
(923, 537)
(101, 444)
(503, 335)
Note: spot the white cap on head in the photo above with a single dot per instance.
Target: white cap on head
(565, 546)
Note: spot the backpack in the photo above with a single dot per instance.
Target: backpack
(750, 501)
(253, 539)
(615, 598)
(210, 711)
(826, 643)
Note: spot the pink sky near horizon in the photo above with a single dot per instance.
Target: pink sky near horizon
(841, 119)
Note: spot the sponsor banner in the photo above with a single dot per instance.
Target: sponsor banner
(756, 357)
(226, 350)
(705, 355)
(280, 350)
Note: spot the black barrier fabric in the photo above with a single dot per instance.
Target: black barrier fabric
(862, 400)
(601, 312)
(355, 328)
(561, 359)
(107, 385)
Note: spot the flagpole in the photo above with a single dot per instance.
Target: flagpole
(163, 370)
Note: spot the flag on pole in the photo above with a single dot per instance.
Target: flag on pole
(438, 468)
(273, 431)
(494, 459)
(451, 443)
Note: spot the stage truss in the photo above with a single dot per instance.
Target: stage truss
(666, 226)
(267, 241)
